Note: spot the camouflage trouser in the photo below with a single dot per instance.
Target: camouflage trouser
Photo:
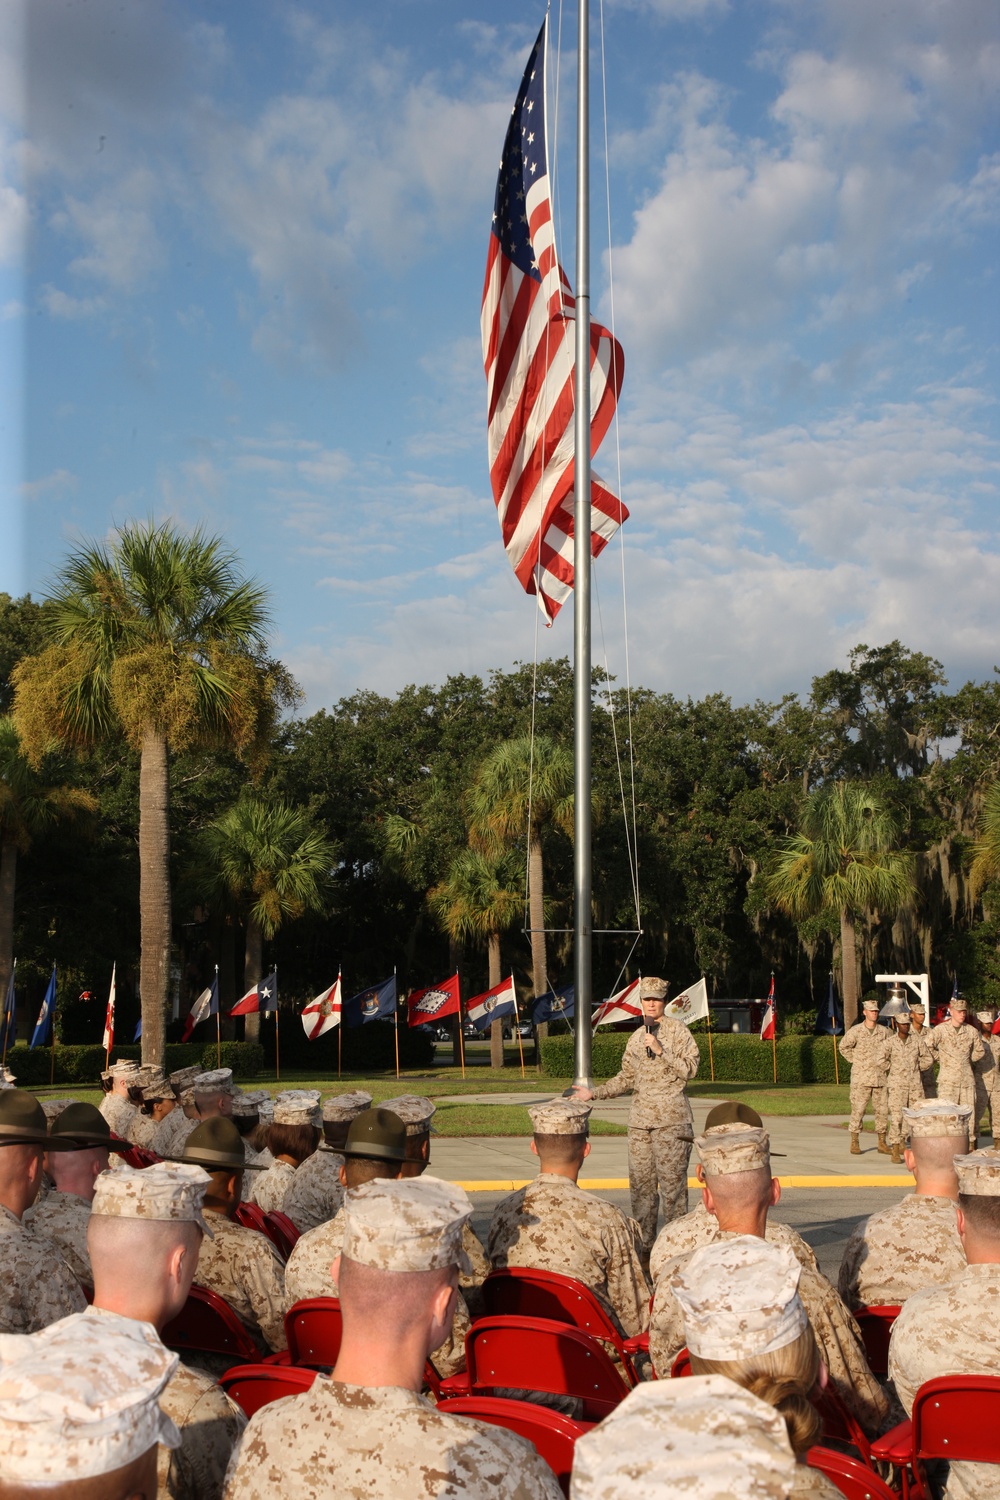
(860, 1095)
(657, 1158)
(960, 1088)
(900, 1098)
(994, 1114)
(982, 1103)
(928, 1081)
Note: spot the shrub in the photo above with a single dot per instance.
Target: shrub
(738, 1059)
(245, 1058)
(364, 1049)
(84, 1064)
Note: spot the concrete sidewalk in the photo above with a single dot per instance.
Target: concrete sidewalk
(808, 1151)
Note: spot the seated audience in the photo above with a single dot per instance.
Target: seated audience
(315, 1192)
(64, 1212)
(292, 1137)
(158, 1101)
(116, 1106)
(246, 1118)
(366, 1431)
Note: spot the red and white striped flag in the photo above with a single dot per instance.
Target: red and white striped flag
(623, 1006)
(323, 1013)
(527, 323)
(769, 1025)
(108, 1040)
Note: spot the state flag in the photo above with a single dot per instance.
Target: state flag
(43, 1026)
(769, 1025)
(207, 1004)
(492, 1005)
(434, 1003)
(322, 1013)
(377, 1003)
(263, 996)
(690, 1005)
(622, 1006)
(555, 1005)
(108, 1039)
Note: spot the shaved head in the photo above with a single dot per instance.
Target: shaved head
(739, 1192)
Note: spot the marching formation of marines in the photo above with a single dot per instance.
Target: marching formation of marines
(98, 1257)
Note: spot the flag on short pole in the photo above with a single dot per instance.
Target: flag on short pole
(43, 1026)
(623, 1005)
(555, 1005)
(828, 1018)
(769, 1025)
(207, 1004)
(691, 1004)
(108, 1040)
(322, 1013)
(374, 1004)
(492, 1005)
(261, 997)
(434, 1003)
(528, 335)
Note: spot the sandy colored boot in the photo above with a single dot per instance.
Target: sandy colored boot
(883, 1145)
(897, 1155)
(855, 1144)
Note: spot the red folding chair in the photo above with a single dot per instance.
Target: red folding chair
(854, 1480)
(955, 1417)
(207, 1323)
(254, 1386)
(251, 1217)
(553, 1435)
(313, 1328)
(281, 1232)
(876, 1323)
(535, 1354)
(138, 1157)
(521, 1291)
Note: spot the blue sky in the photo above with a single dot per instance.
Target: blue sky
(241, 260)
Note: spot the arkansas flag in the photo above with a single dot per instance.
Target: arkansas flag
(431, 1004)
(323, 1013)
(769, 1025)
(623, 1006)
(108, 1040)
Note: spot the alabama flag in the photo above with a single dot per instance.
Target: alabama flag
(109, 1015)
(434, 1002)
(769, 1025)
(323, 1013)
(622, 1006)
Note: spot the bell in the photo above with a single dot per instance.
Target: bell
(896, 1008)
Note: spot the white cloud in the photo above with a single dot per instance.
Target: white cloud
(51, 486)
(60, 304)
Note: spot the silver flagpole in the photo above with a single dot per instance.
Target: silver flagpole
(582, 873)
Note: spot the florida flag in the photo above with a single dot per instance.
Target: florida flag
(493, 1005)
(769, 1025)
(433, 1003)
(622, 1006)
(323, 1013)
(108, 1040)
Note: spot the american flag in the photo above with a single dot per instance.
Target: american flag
(527, 323)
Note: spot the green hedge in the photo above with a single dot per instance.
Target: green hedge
(83, 1064)
(364, 1049)
(738, 1059)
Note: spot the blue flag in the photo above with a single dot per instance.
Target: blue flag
(8, 1021)
(555, 1004)
(267, 992)
(138, 1030)
(378, 1003)
(829, 1021)
(43, 1026)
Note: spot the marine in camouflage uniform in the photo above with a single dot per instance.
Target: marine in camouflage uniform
(866, 1048)
(37, 1286)
(918, 1028)
(739, 1149)
(316, 1194)
(116, 1107)
(993, 1042)
(984, 1071)
(297, 1115)
(63, 1218)
(172, 1132)
(952, 1329)
(915, 1243)
(956, 1048)
(385, 1439)
(659, 1059)
(905, 1084)
(680, 1238)
(553, 1225)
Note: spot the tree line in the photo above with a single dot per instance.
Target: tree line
(163, 805)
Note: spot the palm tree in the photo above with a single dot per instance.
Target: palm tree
(157, 639)
(844, 859)
(480, 899)
(520, 788)
(273, 864)
(29, 803)
(985, 864)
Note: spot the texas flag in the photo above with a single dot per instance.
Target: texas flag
(263, 996)
(769, 1025)
(493, 1005)
(622, 1006)
(432, 1004)
(323, 1013)
(207, 1004)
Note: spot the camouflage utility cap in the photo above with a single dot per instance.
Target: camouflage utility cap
(245, 1105)
(83, 1125)
(986, 1016)
(869, 1004)
(735, 1148)
(156, 1093)
(560, 1117)
(653, 989)
(979, 1173)
(79, 1399)
(957, 1003)
(376, 1134)
(168, 1190)
(740, 1298)
(183, 1078)
(22, 1122)
(414, 1111)
(930, 1117)
(414, 1224)
(704, 1438)
(218, 1081)
(298, 1107)
(346, 1106)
